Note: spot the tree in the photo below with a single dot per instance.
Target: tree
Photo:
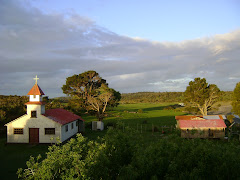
(236, 100)
(83, 85)
(99, 101)
(91, 92)
(201, 95)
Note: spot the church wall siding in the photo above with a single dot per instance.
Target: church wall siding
(65, 135)
(34, 107)
(27, 122)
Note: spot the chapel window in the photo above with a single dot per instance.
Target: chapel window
(33, 114)
(18, 131)
(49, 131)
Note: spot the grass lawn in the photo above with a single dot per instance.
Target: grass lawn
(14, 156)
(153, 115)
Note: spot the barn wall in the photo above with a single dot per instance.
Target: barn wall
(203, 133)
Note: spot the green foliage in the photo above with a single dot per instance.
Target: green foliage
(121, 156)
(230, 118)
(202, 95)
(80, 158)
(236, 100)
(160, 97)
(11, 107)
(90, 92)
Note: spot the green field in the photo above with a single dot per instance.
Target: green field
(13, 157)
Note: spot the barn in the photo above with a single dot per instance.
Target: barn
(200, 127)
(43, 126)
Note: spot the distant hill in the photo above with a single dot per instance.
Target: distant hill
(157, 97)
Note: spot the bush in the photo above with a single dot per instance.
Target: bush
(122, 156)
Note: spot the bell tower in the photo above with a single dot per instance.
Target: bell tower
(35, 106)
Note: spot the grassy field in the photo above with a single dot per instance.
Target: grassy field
(153, 115)
(13, 157)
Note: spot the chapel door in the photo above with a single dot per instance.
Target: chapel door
(34, 135)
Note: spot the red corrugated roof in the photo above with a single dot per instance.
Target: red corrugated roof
(61, 116)
(206, 123)
(36, 90)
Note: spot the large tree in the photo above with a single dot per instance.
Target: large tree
(236, 100)
(91, 92)
(202, 95)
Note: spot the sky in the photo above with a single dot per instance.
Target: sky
(136, 45)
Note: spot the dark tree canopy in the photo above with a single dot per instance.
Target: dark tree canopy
(236, 100)
(89, 91)
(201, 94)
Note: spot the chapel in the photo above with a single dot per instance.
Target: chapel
(39, 125)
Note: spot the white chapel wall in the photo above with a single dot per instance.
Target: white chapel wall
(35, 98)
(27, 122)
(35, 107)
(70, 132)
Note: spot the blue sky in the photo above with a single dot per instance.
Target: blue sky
(135, 45)
(157, 20)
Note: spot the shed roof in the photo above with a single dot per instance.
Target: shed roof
(205, 123)
(215, 117)
(61, 116)
(36, 90)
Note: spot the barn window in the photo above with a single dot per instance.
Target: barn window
(34, 96)
(223, 129)
(66, 128)
(33, 114)
(72, 125)
(76, 123)
(18, 131)
(49, 131)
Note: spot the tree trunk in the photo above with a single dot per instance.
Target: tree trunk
(100, 116)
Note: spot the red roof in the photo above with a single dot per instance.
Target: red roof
(35, 102)
(205, 123)
(61, 116)
(36, 90)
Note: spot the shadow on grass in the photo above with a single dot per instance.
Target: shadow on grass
(14, 156)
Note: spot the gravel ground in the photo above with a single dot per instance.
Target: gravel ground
(224, 109)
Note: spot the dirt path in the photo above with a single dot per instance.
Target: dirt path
(224, 109)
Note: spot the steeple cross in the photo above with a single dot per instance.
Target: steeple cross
(36, 78)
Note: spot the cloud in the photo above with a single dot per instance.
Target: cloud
(56, 46)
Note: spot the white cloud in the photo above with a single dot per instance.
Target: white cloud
(55, 46)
